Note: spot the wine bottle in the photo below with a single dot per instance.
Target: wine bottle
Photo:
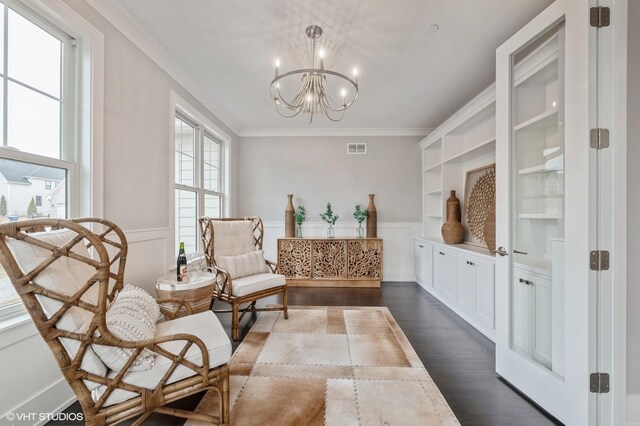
(182, 263)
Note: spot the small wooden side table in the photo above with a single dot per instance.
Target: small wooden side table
(198, 292)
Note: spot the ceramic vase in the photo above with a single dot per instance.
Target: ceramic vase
(372, 219)
(452, 230)
(289, 221)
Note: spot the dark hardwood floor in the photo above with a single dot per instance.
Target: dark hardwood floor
(458, 357)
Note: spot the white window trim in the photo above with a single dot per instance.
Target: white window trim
(87, 195)
(179, 106)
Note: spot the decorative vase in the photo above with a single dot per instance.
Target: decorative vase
(299, 231)
(489, 229)
(452, 230)
(330, 232)
(372, 218)
(289, 221)
(360, 230)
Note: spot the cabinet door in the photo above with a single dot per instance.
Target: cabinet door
(427, 265)
(451, 274)
(521, 311)
(466, 284)
(541, 287)
(485, 293)
(418, 262)
(439, 269)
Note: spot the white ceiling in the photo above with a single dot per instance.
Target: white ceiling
(409, 78)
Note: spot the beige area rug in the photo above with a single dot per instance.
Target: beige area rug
(331, 366)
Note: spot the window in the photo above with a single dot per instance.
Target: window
(198, 179)
(37, 160)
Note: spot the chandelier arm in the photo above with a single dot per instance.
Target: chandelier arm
(297, 102)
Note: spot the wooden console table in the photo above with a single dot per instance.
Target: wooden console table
(331, 262)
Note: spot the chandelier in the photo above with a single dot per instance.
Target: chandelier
(314, 56)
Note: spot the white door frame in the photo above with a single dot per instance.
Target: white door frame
(569, 399)
(612, 191)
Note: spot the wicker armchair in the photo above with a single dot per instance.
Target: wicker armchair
(236, 236)
(191, 352)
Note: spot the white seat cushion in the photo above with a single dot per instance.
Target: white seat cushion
(65, 276)
(232, 238)
(253, 283)
(205, 326)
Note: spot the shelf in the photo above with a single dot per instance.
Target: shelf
(542, 168)
(470, 150)
(435, 191)
(435, 166)
(539, 216)
(434, 216)
(546, 119)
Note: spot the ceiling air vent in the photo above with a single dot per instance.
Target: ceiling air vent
(356, 148)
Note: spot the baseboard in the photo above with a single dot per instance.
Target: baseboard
(49, 401)
(398, 275)
(633, 409)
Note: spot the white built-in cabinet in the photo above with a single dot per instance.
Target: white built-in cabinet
(460, 276)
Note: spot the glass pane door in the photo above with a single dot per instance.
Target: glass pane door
(537, 202)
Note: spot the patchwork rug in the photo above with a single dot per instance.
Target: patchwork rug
(330, 366)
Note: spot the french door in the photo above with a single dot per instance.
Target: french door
(546, 214)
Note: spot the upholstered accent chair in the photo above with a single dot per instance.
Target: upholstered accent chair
(67, 277)
(232, 237)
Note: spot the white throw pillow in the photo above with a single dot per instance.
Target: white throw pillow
(132, 316)
(243, 265)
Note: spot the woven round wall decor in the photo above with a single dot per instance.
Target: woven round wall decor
(481, 199)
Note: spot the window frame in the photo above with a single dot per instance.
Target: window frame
(82, 149)
(200, 132)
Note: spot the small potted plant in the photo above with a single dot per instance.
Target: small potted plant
(331, 219)
(360, 215)
(300, 217)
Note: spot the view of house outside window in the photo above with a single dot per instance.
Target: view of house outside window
(35, 159)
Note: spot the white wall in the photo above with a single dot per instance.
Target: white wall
(633, 200)
(137, 191)
(318, 170)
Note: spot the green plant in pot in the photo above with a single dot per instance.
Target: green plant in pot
(360, 215)
(300, 216)
(331, 219)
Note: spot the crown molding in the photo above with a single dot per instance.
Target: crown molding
(128, 26)
(302, 132)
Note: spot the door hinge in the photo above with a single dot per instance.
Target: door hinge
(600, 16)
(599, 138)
(599, 260)
(599, 382)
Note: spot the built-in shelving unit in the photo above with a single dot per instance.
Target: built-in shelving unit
(466, 141)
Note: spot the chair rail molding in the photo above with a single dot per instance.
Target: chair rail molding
(397, 239)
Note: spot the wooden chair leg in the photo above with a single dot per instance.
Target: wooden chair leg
(234, 321)
(224, 397)
(284, 304)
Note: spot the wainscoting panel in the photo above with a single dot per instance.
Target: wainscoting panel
(147, 259)
(397, 243)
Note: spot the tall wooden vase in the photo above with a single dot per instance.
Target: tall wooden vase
(289, 222)
(452, 230)
(372, 218)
